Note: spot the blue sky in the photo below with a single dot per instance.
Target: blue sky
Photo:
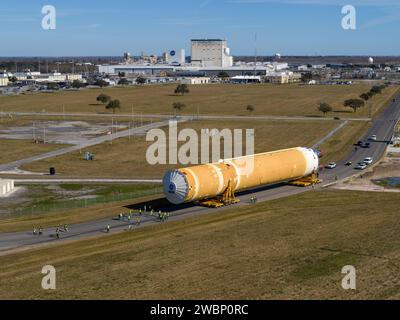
(290, 27)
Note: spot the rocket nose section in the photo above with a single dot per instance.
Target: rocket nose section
(176, 187)
(312, 161)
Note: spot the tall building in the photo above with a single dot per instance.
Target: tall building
(177, 57)
(211, 53)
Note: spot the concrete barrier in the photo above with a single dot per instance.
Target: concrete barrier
(6, 186)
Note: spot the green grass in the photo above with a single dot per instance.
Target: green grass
(293, 248)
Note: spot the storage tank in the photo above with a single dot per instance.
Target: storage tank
(211, 180)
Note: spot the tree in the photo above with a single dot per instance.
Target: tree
(325, 108)
(354, 104)
(366, 96)
(103, 98)
(306, 77)
(101, 83)
(77, 84)
(223, 75)
(123, 82)
(250, 108)
(182, 89)
(178, 106)
(140, 80)
(113, 104)
(376, 90)
(52, 86)
(13, 79)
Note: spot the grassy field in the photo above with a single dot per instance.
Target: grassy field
(275, 100)
(126, 158)
(40, 202)
(12, 150)
(291, 248)
(341, 143)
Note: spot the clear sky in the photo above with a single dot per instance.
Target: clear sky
(289, 27)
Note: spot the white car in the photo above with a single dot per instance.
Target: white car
(373, 138)
(368, 161)
(361, 166)
(331, 165)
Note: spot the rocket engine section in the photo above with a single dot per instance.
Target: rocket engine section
(211, 180)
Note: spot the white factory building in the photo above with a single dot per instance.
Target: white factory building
(191, 71)
(211, 53)
(209, 58)
(6, 186)
(195, 81)
(4, 81)
(176, 57)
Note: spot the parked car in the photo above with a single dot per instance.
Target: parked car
(373, 138)
(348, 164)
(359, 143)
(331, 165)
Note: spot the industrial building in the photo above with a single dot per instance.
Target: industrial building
(6, 186)
(3, 81)
(282, 77)
(197, 80)
(160, 69)
(176, 57)
(211, 53)
(37, 77)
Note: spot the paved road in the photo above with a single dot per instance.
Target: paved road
(169, 116)
(86, 144)
(383, 126)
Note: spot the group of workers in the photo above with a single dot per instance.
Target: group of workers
(253, 200)
(162, 217)
(39, 231)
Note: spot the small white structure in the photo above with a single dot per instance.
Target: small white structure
(201, 80)
(6, 186)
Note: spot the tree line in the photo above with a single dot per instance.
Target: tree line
(354, 103)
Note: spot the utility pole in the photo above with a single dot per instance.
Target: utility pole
(255, 54)
(370, 109)
(34, 131)
(112, 128)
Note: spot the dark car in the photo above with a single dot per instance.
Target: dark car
(359, 143)
(349, 163)
(367, 145)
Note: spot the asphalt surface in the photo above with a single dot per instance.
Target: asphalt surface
(383, 126)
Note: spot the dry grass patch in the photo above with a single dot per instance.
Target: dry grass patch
(224, 99)
(290, 248)
(126, 158)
